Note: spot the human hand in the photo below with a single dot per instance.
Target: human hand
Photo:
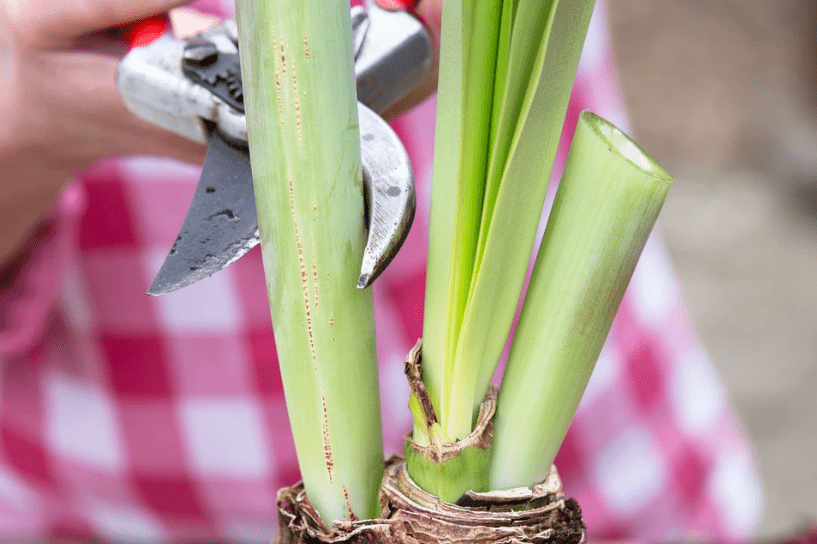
(60, 110)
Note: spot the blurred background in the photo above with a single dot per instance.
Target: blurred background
(724, 94)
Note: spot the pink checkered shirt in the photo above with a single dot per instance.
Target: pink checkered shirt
(146, 419)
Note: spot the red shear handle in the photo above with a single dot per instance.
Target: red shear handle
(145, 31)
(397, 5)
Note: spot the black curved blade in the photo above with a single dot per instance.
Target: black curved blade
(221, 224)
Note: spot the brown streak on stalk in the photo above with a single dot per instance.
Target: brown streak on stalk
(283, 59)
(327, 445)
(297, 105)
(306, 46)
(314, 266)
(349, 509)
(278, 87)
(315, 278)
(304, 276)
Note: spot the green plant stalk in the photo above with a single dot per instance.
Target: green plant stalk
(608, 200)
(298, 74)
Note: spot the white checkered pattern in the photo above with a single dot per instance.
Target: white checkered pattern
(127, 417)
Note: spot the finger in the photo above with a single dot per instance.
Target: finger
(188, 22)
(431, 12)
(122, 132)
(83, 117)
(49, 24)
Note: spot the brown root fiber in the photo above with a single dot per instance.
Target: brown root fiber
(411, 516)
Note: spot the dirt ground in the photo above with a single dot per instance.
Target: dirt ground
(724, 94)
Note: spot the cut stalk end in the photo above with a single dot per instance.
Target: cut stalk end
(607, 203)
(620, 143)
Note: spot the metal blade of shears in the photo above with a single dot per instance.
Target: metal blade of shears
(224, 201)
(222, 225)
(392, 53)
(390, 197)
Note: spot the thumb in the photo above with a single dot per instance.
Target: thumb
(47, 24)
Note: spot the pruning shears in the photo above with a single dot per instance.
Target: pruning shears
(193, 87)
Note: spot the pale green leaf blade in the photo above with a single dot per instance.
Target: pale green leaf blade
(463, 127)
(500, 272)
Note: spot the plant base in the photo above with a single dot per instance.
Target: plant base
(448, 470)
(412, 516)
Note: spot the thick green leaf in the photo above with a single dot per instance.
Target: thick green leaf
(607, 203)
(298, 74)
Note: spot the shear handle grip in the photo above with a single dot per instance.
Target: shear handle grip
(145, 31)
